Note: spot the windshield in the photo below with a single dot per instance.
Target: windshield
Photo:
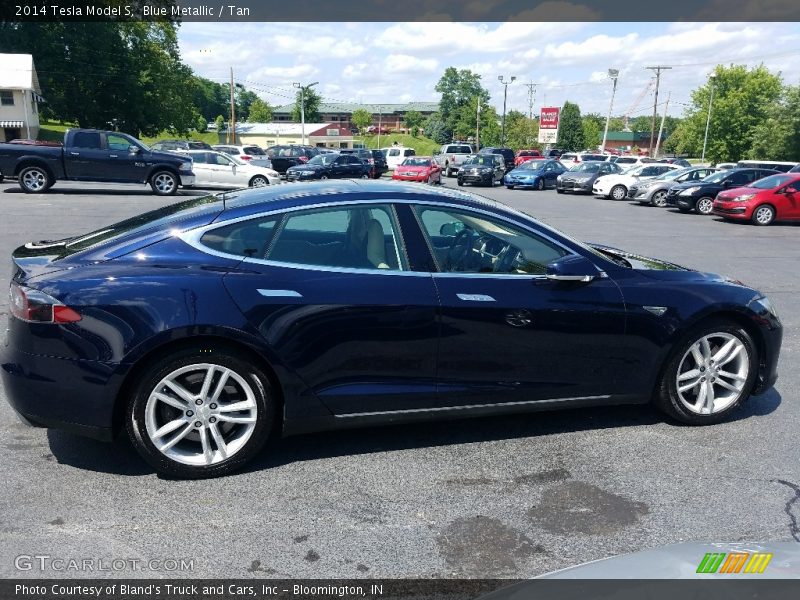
(717, 177)
(590, 167)
(482, 159)
(533, 165)
(322, 159)
(771, 182)
(672, 174)
(417, 162)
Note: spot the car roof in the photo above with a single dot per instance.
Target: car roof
(254, 201)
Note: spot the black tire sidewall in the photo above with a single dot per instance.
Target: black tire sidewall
(137, 430)
(667, 395)
(616, 187)
(259, 178)
(155, 189)
(48, 180)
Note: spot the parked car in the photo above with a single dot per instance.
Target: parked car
(582, 176)
(330, 166)
(283, 157)
(539, 173)
(482, 169)
(220, 170)
(179, 145)
(250, 153)
(506, 153)
(290, 309)
(553, 153)
(699, 195)
(418, 168)
(726, 165)
(396, 155)
(674, 160)
(616, 186)
(522, 155)
(777, 165)
(451, 156)
(375, 129)
(94, 155)
(374, 158)
(773, 198)
(795, 169)
(627, 161)
(654, 191)
(570, 159)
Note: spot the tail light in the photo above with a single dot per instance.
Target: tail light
(303, 158)
(371, 161)
(453, 157)
(34, 306)
(245, 157)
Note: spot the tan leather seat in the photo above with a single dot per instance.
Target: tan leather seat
(376, 244)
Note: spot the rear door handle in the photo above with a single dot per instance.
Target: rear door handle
(74, 153)
(475, 298)
(113, 156)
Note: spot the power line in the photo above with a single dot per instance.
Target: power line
(658, 70)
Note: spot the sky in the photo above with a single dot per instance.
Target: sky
(402, 62)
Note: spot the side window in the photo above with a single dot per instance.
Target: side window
(465, 242)
(246, 238)
(200, 157)
(117, 142)
(86, 139)
(219, 159)
(355, 237)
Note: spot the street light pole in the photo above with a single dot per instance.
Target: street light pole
(303, 89)
(505, 97)
(708, 118)
(613, 74)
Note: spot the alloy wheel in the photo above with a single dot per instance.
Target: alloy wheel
(764, 215)
(259, 182)
(712, 373)
(34, 180)
(660, 199)
(705, 206)
(618, 192)
(201, 414)
(164, 183)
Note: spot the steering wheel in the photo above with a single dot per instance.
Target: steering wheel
(506, 259)
(460, 249)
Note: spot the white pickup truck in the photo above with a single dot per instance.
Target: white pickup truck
(450, 157)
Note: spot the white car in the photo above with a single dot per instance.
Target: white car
(616, 186)
(252, 154)
(570, 159)
(396, 155)
(216, 169)
(627, 162)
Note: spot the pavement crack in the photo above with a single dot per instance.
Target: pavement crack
(794, 528)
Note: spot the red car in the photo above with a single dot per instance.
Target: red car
(773, 198)
(418, 168)
(525, 155)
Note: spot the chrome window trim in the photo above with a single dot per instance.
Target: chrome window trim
(192, 238)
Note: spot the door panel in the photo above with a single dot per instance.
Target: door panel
(122, 162)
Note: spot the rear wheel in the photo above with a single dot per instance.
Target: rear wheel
(659, 199)
(709, 373)
(460, 183)
(763, 215)
(197, 414)
(365, 176)
(34, 180)
(164, 183)
(705, 205)
(618, 192)
(510, 187)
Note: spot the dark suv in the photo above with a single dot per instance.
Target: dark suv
(374, 158)
(506, 153)
(699, 195)
(179, 145)
(283, 157)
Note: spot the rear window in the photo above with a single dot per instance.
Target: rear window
(593, 156)
(255, 150)
(459, 150)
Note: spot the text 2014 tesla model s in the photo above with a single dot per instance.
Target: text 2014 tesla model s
(205, 327)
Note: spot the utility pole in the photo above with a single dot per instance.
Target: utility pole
(658, 70)
(613, 74)
(500, 78)
(303, 89)
(478, 127)
(708, 119)
(531, 97)
(661, 129)
(232, 124)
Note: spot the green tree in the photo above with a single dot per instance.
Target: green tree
(413, 120)
(361, 118)
(435, 129)
(778, 136)
(593, 125)
(521, 132)
(570, 128)
(209, 97)
(743, 100)
(220, 123)
(260, 112)
(311, 102)
(459, 88)
(201, 124)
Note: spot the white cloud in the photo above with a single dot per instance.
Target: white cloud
(403, 63)
(306, 46)
(285, 74)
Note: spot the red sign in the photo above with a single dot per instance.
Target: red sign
(548, 119)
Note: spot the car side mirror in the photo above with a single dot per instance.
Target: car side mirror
(572, 267)
(133, 149)
(438, 152)
(451, 229)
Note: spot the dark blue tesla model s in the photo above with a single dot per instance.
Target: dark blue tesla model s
(207, 326)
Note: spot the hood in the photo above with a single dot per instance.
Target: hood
(579, 175)
(412, 168)
(688, 184)
(525, 172)
(307, 167)
(740, 191)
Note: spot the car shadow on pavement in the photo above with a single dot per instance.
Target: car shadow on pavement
(144, 191)
(120, 458)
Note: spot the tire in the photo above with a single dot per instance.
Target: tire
(559, 191)
(447, 169)
(540, 185)
(763, 215)
(259, 181)
(35, 180)
(365, 176)
(618, 192)
(492, 182)
(164, 183)
(741, 369)
(460, 183)
(704, 205)
(510, 187)
(245, 385)
(323, 177)
(659, 199)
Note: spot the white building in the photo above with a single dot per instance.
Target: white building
(322, 135)
(20, 96)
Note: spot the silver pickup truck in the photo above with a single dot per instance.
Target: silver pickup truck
(450, 157)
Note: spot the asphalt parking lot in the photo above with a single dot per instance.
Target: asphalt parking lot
(498, 497)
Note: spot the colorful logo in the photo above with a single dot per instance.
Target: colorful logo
(734, 562)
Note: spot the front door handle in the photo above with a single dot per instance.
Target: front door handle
(74, 153)
(475, 298)
(113, 156)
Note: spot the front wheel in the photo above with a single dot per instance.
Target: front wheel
(200, 414)
(659, 199)
(540, 185)
(763, 215)
(164, 183)
(705, 205)
(365, 176)
(34, 180)
(460, 183)
(618, 192)
(259, 181)
(559, 191)
(709, 374)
